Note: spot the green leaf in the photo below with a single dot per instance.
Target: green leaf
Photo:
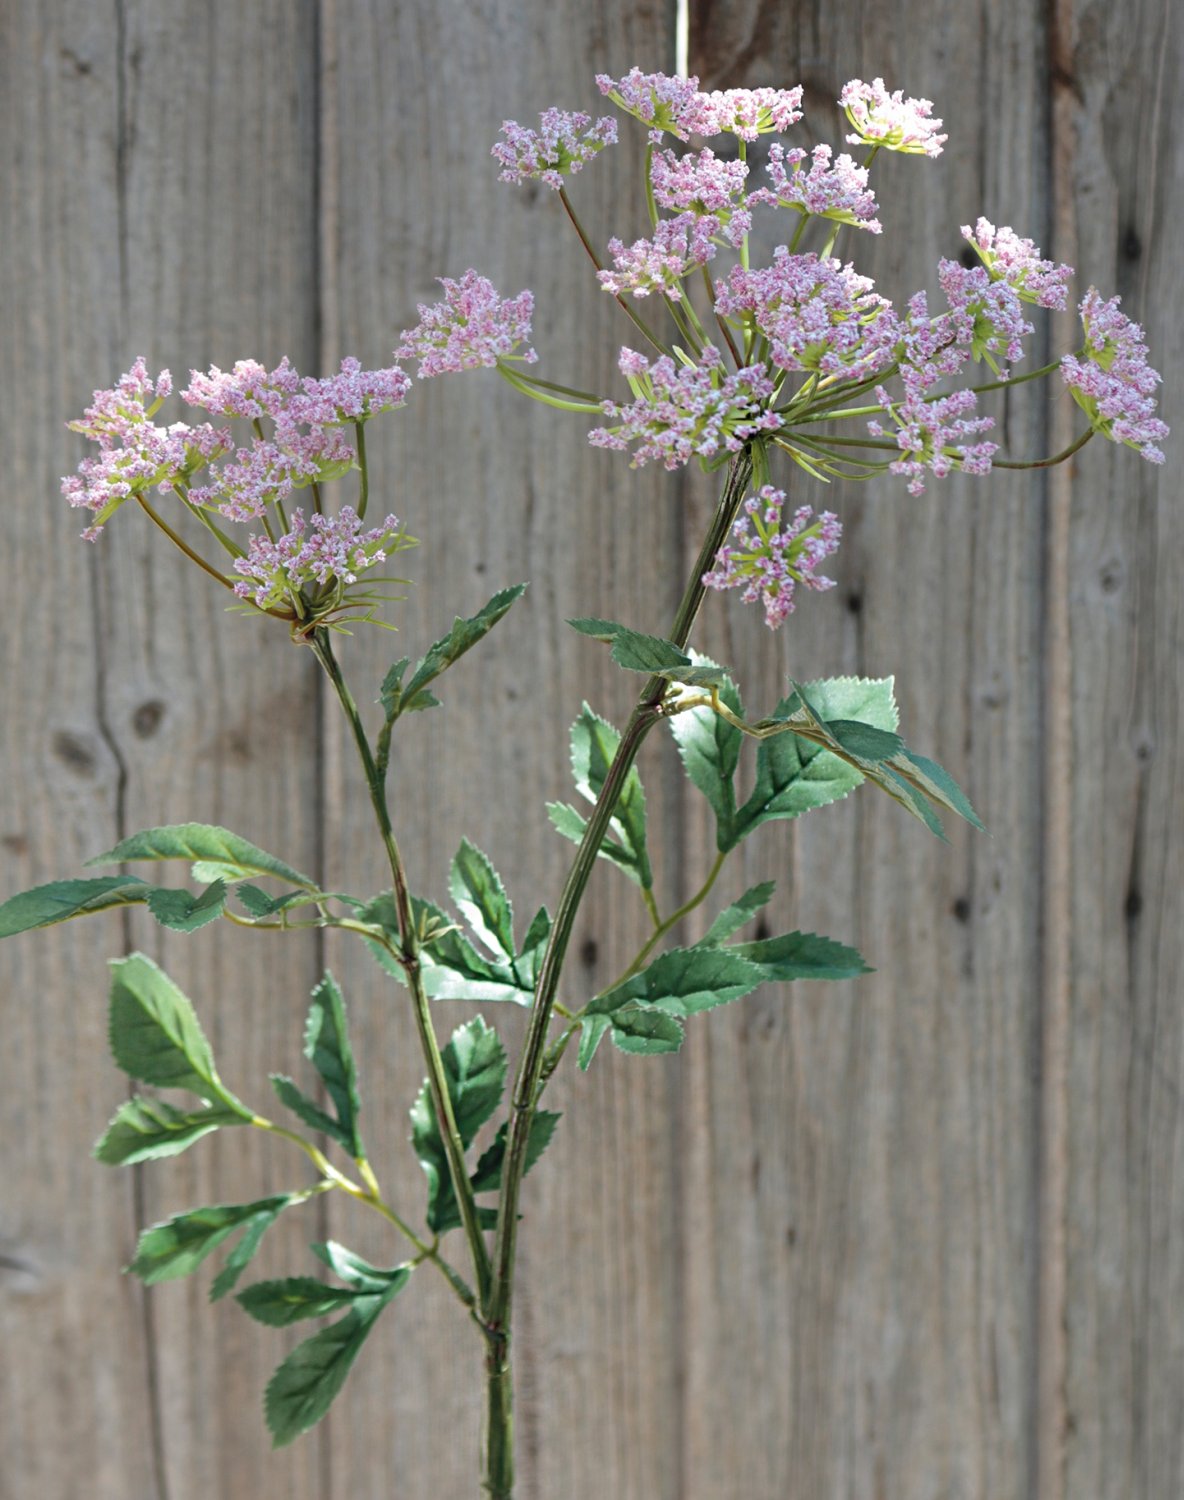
(258, 903)
(481, 899)
(475, 1071)
(645, 1032)
(679, 983)
(327, 1047)
(594, 743)
(936, 783)
(303, 1388)
(156, 1037)
(306, 1109)
(62, 899)
(534, 945)
(353, 1270)
(146, 1129)
(181, 911)
(794, 775)
(864, 741)
(291, 1298)
(464, 635)
(802, 955)
(651, 654)
(710, 750)
(178, 1246)
(741, 911)
(216, 853)
(488, 1176)
(451, 967)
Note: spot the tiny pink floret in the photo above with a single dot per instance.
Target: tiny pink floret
(768, 559)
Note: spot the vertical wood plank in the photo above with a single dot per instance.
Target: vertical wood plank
(167, 155)
(1124, 1210)
(862, 1170)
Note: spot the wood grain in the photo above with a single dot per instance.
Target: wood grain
(918, 1236)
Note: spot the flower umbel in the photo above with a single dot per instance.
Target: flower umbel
(1112, 382)
(1009, 258)
(890, 120)
(324, 555)
(557, 149)
(678, 247)
(932, 432)
(472, 326)
(687, 411)
(832, 188)
(768, 559)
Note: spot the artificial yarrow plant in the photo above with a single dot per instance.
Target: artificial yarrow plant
(740, 366)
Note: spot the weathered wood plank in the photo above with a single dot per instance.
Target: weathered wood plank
(167, 207)
(1119, 115)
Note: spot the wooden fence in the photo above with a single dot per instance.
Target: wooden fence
(913, 1238)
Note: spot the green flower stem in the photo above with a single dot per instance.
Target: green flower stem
(596, 261)
(372, 1197)
(652, 907)
(646, 712)
(180, 542)
(1047, 463)
(743, 153)
(723, 327)
(408, 957)
(364, 481)
(647, 172)
(560, 390)
(529, 389)
(672, 920)
(200, 513)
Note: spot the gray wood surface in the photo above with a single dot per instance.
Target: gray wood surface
(912, 1238)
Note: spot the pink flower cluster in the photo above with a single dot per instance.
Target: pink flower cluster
(890, 120)
(469, 328)
(832, 189)
(334, 548)
(675, 106)
(561, 145)
(1018, 262)
(135, 454)
(986, 316)
(678, 247)
(932, 432)
(768, 559)
(251, 391)
(265, 471)
(816, 313)
(1112, 382)
(701, 183)
(682, 412)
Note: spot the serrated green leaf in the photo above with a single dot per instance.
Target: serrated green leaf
(592, 1032)
(257, 903)
(398, 698)
(155, 1035)
(741, 911)
(451, 967)
(216, 853)
(177, 1246)
(644, 1032)
(650, 653)
(594, 743)
(794, 775)
(327, 1047)
(488, 1176)
(481, 899)
(682, 982)
(181, 911)
(292, 1097)
(60, 900)
(935, 781)
(571, 824)
(146, 1129)
(353, 1270)
(303, 1388)
(802, 955)
(475, 1071)
(534, 945)
(242, 1254)
(864, 740)
(710, 749)
(289, 1299)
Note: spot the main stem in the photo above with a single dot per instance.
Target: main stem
(499, 1471)
(409, 960)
